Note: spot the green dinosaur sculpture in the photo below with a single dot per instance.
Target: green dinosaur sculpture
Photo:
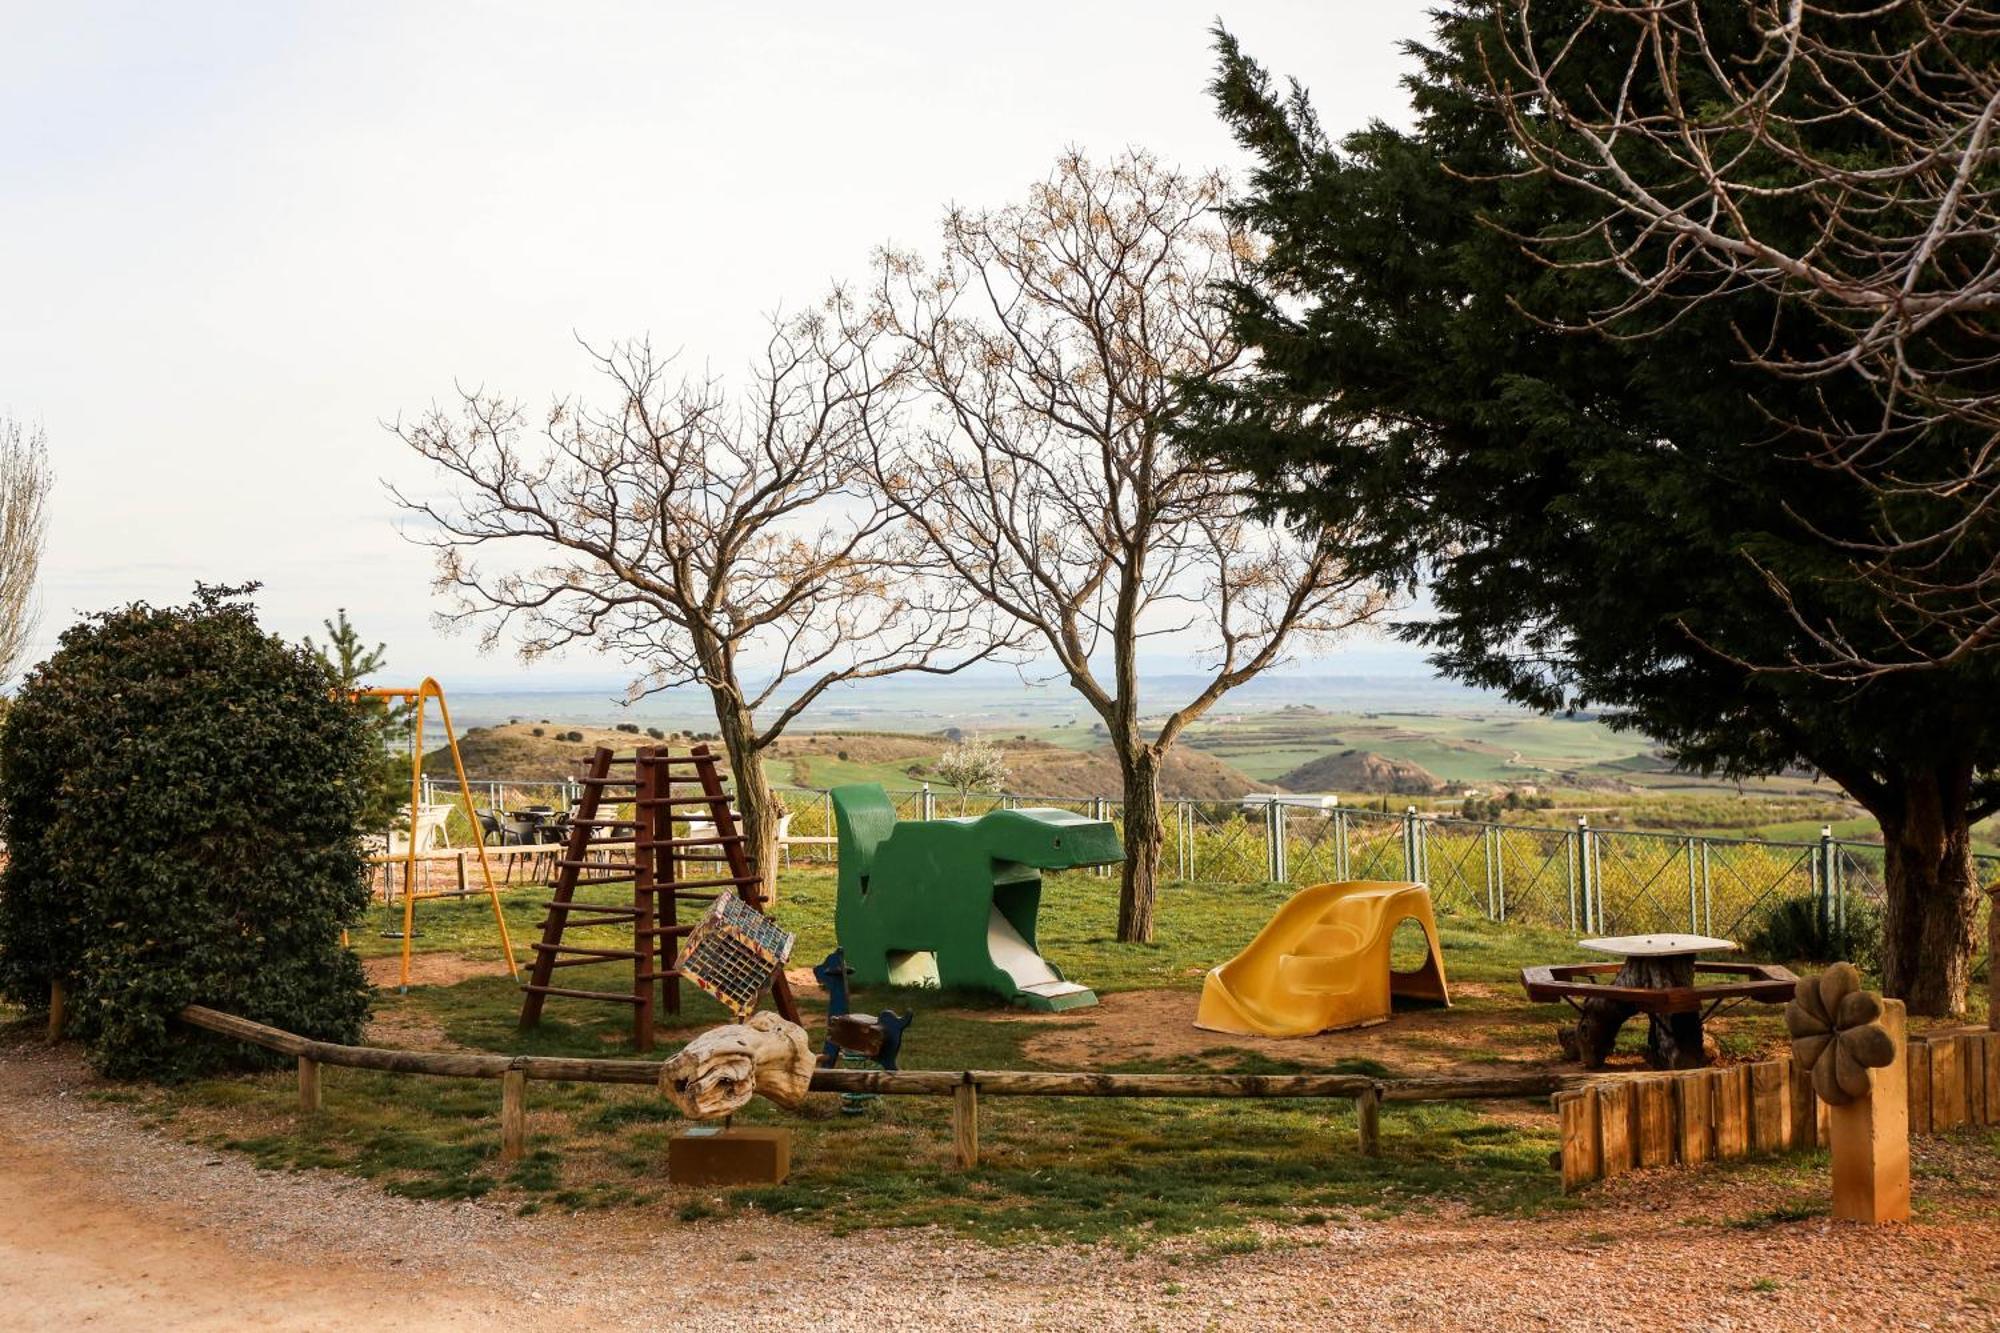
(952, 902)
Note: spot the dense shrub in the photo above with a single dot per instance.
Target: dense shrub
(631, 728)
(656, 733)
(181, 795)
(1794, 932)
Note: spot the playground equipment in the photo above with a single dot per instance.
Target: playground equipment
(1323, 962)
(878, 1037)
(417, 835)
(665, 871)
(953, 902)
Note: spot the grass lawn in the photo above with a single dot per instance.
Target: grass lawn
(1070, 1168)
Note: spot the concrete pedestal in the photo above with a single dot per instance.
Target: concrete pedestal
(714, 1155)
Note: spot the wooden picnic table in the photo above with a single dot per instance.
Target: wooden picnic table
(1659, 976)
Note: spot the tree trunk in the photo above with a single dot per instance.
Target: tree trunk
(1932, 894)
(1143, 836)
(755, 801)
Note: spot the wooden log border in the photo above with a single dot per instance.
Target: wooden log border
(1691, 1117)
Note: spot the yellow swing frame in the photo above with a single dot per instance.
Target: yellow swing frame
(430, 689)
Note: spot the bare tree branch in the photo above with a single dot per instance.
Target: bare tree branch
(730, 544)
(1843, 156)
(25, 482)
(1054, 338)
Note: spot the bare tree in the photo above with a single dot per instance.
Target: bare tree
(706, 541)
(25, 482)
(1840, 155)
(1057, 339)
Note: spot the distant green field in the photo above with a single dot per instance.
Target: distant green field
(836, 772)
(1456, 747)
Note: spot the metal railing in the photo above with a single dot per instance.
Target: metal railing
(1575, 878)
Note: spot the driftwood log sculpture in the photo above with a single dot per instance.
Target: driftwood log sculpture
(1842, 1035)
(716, 1074)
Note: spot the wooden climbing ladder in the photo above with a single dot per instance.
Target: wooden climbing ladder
(664, 789)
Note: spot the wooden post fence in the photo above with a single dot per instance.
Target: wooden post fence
(965, 1087)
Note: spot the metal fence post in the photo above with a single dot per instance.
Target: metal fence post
(1341, 870)
(1707, 893)
(1823, 876)
(1274, 824)
(1413, 847)
(1100, 809)
(1486, 868)
(1592, 912)
(1694, 901)
(926, 803)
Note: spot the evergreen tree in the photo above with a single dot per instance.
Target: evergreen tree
(352, 662)
(1599, 522)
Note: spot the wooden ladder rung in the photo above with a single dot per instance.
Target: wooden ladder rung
(555, 963)
(689, 842)
(631, 867)
(680, 800)
(581, 951)
(570, 993)
(609, 909)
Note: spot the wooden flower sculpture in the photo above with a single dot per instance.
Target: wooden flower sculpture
(1837, 1034)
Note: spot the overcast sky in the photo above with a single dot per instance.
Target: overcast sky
(236, 239)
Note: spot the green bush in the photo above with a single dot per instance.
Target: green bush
(1793, 932)
(181, 801)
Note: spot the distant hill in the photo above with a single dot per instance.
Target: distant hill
(1362, 770)
(1037, 768)
(513, 752)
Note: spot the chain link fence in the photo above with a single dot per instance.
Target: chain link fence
(1577, 878)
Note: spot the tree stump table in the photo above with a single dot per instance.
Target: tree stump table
(1657, 978)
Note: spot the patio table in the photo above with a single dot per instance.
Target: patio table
(1659, 976)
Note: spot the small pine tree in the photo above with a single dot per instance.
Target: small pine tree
(352, 663)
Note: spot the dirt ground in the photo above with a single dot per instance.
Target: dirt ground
(1158, 1025)
(110, 1224)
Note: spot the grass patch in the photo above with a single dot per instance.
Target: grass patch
(1126, 1171)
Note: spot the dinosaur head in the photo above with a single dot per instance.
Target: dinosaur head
(1049, 839)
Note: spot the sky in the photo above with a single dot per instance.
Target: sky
(239, 240)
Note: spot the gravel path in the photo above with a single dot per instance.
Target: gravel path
(108, 1223)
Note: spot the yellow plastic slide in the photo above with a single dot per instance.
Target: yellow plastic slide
(1323, 962)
